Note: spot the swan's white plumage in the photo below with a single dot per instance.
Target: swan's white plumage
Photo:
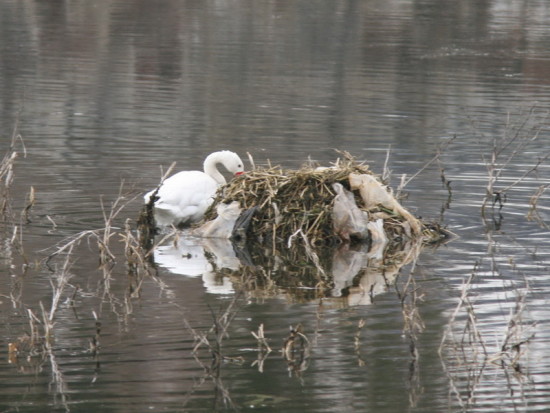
(184, 197)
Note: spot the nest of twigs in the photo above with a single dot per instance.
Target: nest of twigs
(295, 204)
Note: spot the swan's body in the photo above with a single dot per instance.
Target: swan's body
(184, 197)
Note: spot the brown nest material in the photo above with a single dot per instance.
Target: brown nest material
(298, 204)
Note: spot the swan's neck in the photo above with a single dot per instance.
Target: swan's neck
(211, 169)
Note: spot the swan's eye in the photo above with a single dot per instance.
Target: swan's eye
(239, 166)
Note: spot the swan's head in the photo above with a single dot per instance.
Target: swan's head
(232, 162)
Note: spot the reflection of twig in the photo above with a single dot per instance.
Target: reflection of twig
(212, 341)
(309, 251)
(412, 325)
(58, 381)
(512, 348)
(40, 344)
(468, 351)
(95, 346)
(465, 351)
(461, 302)
(357, 342)
(263, 348)
(296, 351)
(30, 203)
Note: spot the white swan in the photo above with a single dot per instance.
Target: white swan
(184, 197)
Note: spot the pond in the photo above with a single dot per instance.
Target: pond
(100, 97)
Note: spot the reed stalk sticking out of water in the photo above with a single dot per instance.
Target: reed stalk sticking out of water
(39, 344)
(7, 171)
(436, 158)
(103, 235)
(62, 277)
(533, 214)
(515, 140)
(7, 175)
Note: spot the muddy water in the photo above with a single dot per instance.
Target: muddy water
(108, 92)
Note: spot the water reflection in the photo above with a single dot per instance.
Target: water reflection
(344, 276)
(188, 256)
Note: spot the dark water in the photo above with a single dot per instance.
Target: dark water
(106, 92)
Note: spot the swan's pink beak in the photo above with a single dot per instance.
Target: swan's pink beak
(238, 173)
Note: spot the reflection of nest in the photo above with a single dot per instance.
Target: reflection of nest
(290, 271)
(347, 275)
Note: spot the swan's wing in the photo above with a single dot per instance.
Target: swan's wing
(187, 188)
(186, 195)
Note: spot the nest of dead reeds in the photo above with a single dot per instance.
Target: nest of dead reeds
(293, 204)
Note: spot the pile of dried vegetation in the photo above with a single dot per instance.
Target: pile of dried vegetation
(288, 205)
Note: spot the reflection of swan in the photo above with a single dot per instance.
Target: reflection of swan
(184, 197)
(187, 258)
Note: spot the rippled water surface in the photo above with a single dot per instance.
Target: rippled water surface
(107, 94)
